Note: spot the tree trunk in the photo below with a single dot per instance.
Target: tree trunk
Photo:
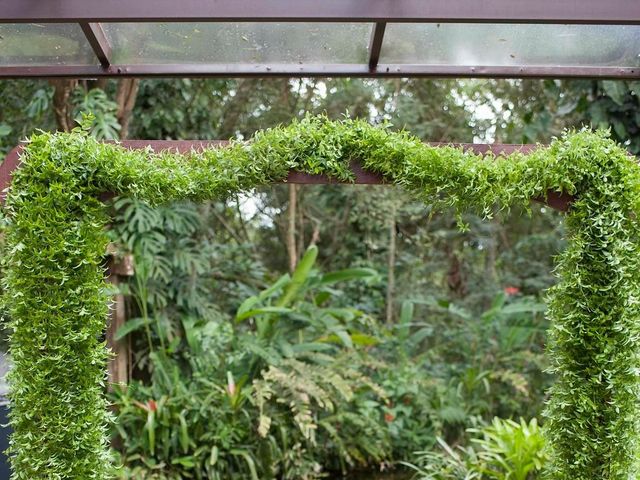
(455, 276)
(300, 214)
(62, 106)
(291, 230)
(126, 100)
(492, 251)
(391, 266)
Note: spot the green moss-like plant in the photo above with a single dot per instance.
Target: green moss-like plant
(56, 296)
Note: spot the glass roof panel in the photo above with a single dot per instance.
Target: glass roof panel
(511, 45)
(235, 43)
(34, 44)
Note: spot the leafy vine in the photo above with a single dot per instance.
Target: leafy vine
(54, 288)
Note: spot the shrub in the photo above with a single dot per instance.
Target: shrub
(503, 450)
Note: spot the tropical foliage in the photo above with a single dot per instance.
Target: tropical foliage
(318, 374)
(294, 380)
(503, 450)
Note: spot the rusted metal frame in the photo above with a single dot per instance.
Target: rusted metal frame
(375, 45)
(98, 41)
(488, 11)
(558, 201)
(327, 70)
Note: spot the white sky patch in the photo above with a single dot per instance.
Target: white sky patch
(249, 207)
(248, 204)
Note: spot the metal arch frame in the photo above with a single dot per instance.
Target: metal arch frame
(556, 200)
(90, 13)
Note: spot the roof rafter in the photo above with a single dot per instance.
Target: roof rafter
(375, 46)
(98, 41)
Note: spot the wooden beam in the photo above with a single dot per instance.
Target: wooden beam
(555, 200)
(7, 167)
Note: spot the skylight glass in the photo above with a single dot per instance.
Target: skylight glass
(34, 44)
(512, 45)
(238, 43)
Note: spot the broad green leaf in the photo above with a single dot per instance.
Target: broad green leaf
(347, 274)
(347, 339)
(262, 311)
(299, 277)
(523, 307)
(279, 284)
(420, 335)
(364, 340)
(616, 90)
(187, 462)
(131, 326)
(250, 463)
(150, 427)
(247, 305)
(213, 458)
(251, 301)
(184, 433)
(406, 312)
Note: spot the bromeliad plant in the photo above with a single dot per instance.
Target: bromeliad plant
(503, 450)
(57, 300)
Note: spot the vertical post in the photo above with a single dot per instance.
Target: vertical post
(120, 364)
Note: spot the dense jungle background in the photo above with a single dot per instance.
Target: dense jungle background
(304, 332)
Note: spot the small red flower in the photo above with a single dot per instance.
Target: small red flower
(389, 417)
(511, 290)
(231, 389)
(152, 405)
(231, 385)
(142, 406)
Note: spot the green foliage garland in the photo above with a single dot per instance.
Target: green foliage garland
(56, 296)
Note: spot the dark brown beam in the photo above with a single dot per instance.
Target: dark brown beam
(329, 70)
(505, 11)
(558, 201)
(377, 36)
(7, 167)
(98, 41)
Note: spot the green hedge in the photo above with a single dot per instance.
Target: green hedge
(56, 296)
